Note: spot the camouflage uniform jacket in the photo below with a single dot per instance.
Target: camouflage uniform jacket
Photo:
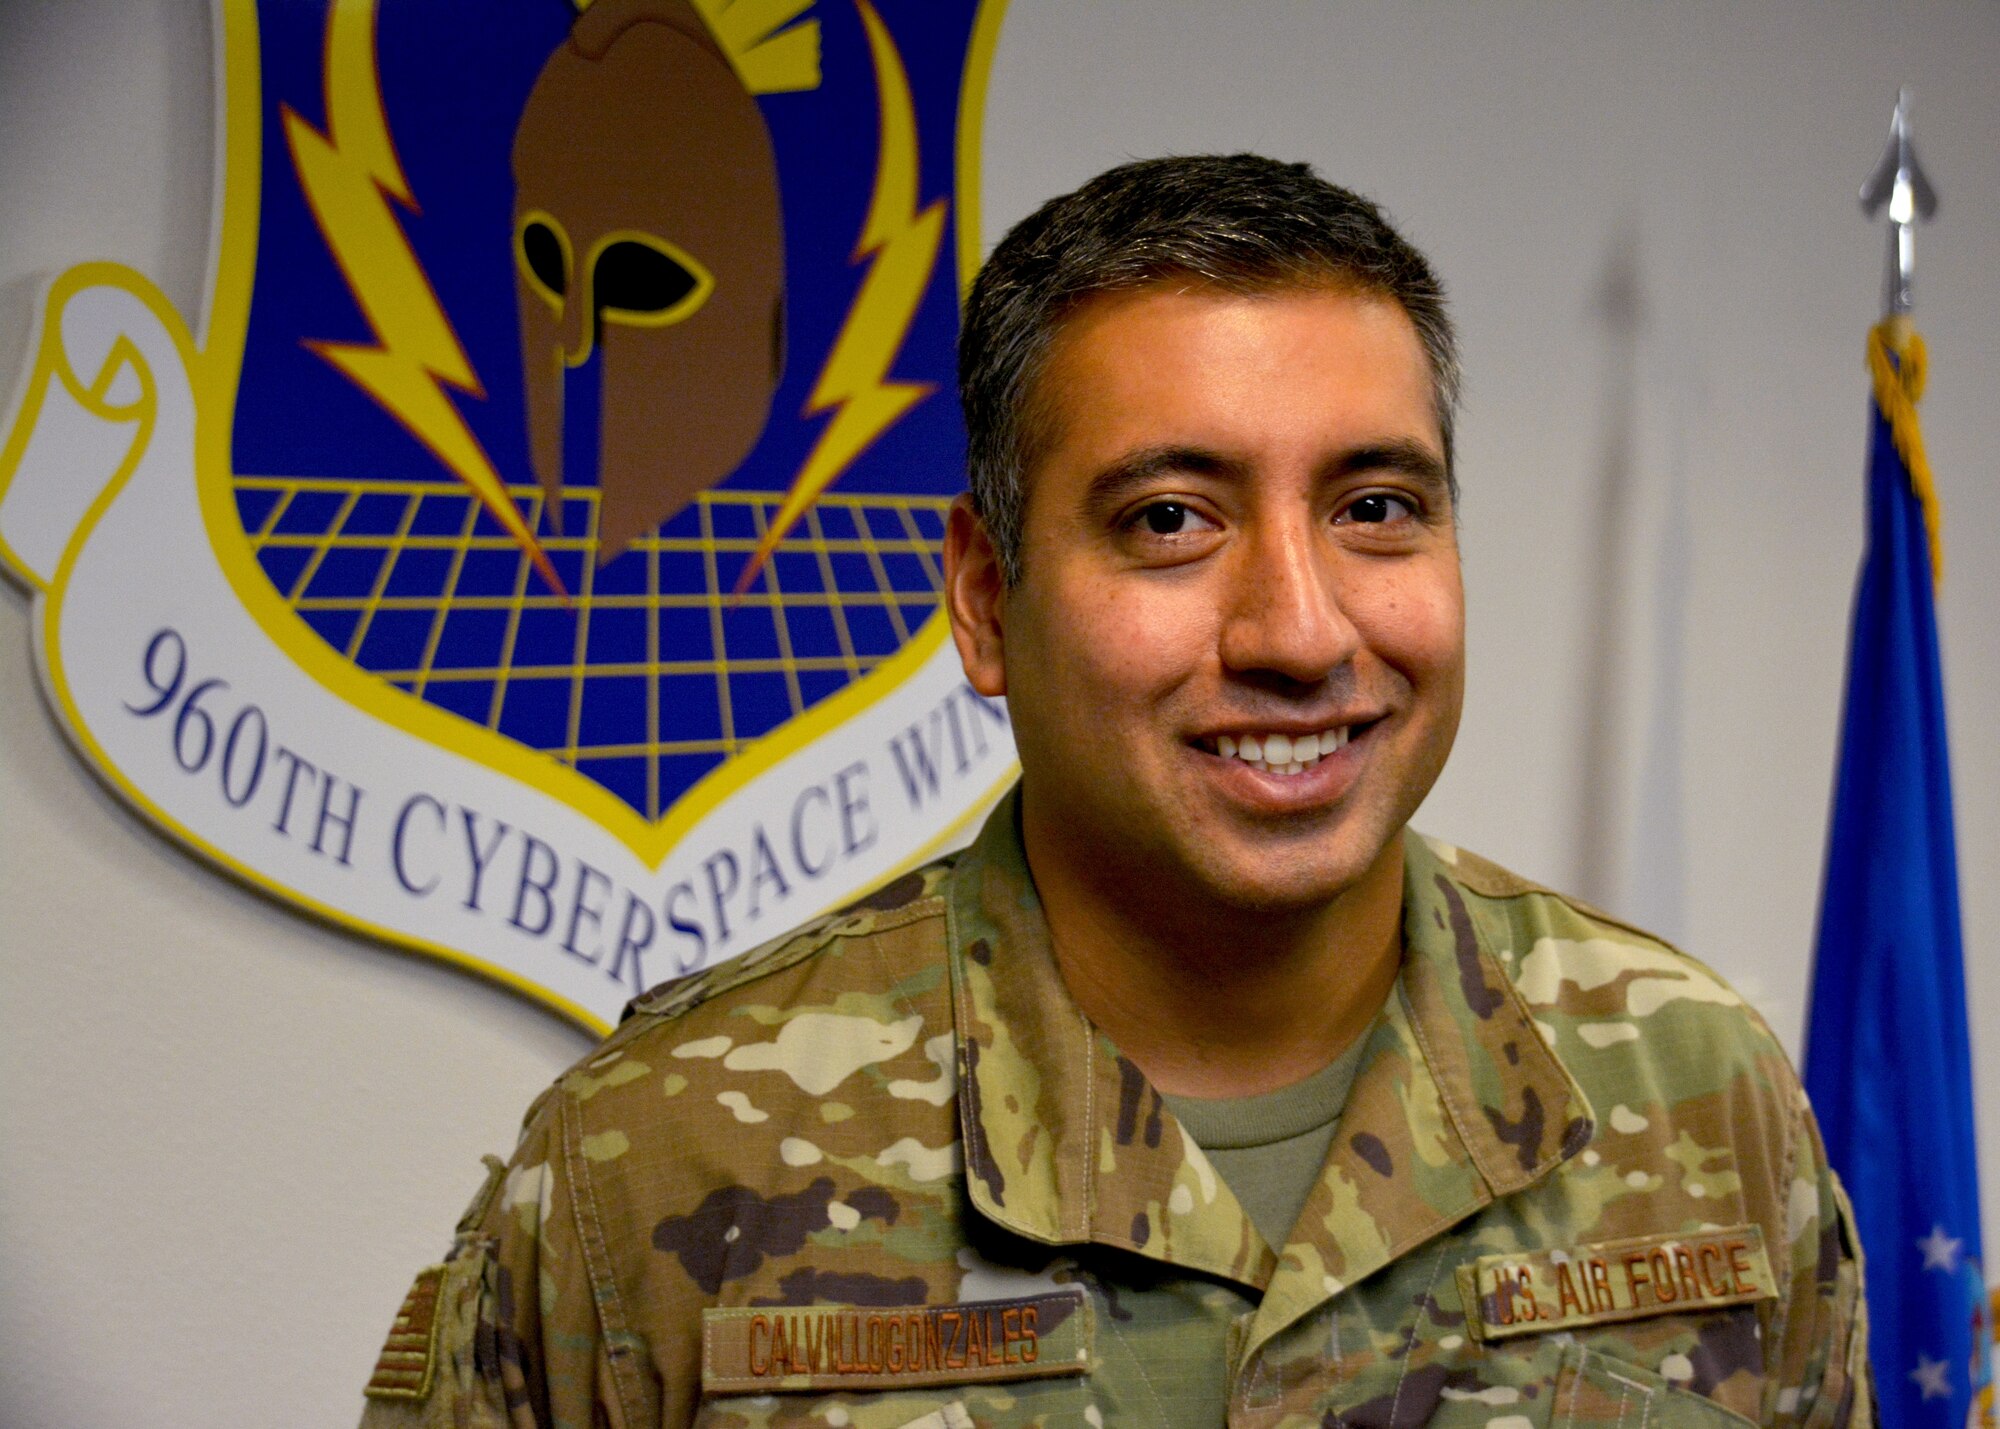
(884, 1174)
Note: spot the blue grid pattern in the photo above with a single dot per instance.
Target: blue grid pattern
(653, 672)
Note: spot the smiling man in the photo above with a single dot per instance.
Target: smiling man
(1238, 556)
(1198, 1090)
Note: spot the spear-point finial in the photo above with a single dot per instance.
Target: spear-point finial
(1898, 184)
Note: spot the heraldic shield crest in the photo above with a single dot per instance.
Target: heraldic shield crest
(533, 556)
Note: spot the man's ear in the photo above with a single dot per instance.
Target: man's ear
(975, 596)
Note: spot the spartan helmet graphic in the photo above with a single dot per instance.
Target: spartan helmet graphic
(647, 230)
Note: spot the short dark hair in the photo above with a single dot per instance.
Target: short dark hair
(1240, 222)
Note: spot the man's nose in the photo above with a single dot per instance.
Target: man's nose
(1284, 615)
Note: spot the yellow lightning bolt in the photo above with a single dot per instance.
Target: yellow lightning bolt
(349, 174)
(904, 243)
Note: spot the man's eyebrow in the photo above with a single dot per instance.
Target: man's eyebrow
(1412, 459)
(1139, 468)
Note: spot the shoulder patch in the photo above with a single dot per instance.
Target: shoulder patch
(408, 1362)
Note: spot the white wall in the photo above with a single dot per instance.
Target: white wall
(228, 1135)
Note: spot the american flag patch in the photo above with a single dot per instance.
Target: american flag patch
(409, 1355)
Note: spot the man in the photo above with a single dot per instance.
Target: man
(1198, 1090)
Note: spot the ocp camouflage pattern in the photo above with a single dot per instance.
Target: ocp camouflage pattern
(900, 1106)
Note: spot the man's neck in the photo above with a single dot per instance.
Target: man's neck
(1219, 1002)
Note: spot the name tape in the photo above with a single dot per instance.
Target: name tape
(784, 1347)
(1531, 1292)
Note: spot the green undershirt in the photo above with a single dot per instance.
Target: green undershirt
(1270, 1148)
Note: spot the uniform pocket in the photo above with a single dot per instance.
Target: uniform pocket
(1034, 1403)
(951, 1416)
(1593, 1388)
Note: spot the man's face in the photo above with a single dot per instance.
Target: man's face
(1238, 538)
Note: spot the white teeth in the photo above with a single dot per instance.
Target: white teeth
(1282, 753)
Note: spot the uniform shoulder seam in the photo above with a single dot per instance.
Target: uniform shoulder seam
(672, 1000)
(1492, 881)
(1592, 913)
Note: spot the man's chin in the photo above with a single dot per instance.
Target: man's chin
(1291, 885)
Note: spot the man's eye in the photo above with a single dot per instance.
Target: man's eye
(1378, 507)
(1167, 518)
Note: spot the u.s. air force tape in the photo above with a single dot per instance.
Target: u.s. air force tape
(1533, 1291)
(780, 1347)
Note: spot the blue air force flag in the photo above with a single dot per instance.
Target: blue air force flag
(1888, 1062)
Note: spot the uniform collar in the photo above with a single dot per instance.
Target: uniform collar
(1065, 1140)
(1457, 1101)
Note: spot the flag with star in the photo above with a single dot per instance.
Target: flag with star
(1888, 1059)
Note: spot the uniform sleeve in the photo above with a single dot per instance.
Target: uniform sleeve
(503, 1334)
(1820, 1377)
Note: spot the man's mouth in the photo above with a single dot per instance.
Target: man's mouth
(1277, 753)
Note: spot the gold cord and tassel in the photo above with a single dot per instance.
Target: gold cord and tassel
(1899, 365)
